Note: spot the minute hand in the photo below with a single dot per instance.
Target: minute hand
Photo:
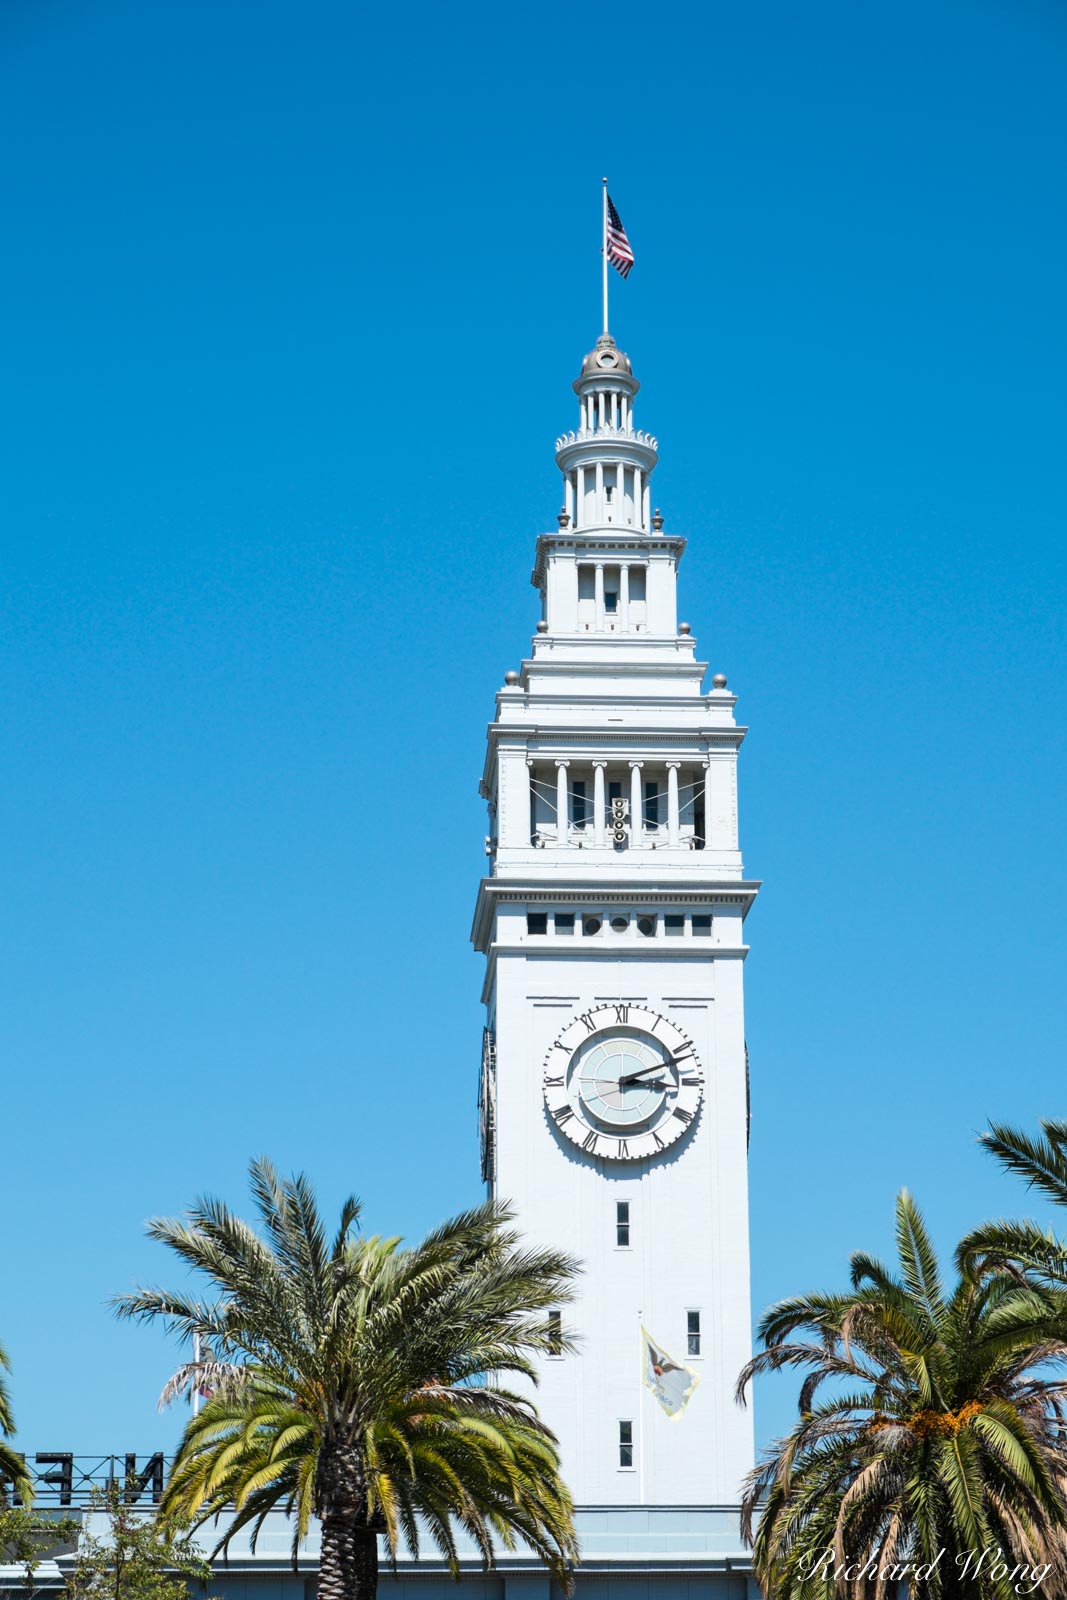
(635, 1077)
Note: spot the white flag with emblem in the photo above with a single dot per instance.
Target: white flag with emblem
(671, 1384)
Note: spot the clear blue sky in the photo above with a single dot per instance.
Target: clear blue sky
(293, 299)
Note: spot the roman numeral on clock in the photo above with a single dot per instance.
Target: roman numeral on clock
(562, 1114)
(589, 1142)
(622, 1149)
(683, 1115)
(622, 1013)
(553, 1083)
(692, 1082)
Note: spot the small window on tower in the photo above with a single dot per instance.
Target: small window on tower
(673, 923)
(611, 601)
(701, 926)
(564, 921)
(626, 1446)
(579, 805)
(692, 1333)
(622, 1224)
(555, 1333)
(590, 926)
(651, 805)
(537, 922)
(609, 492)
(646, 926)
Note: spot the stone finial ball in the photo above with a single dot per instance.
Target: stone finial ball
(683, 627)
(542, 626)
(719, 680)
(511, 678)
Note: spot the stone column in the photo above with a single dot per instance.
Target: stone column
(598, 589)
(672, 802)
(562, 808)
(637, 812)
(624, 596)
(598, 514)
(704, 826)
(599, 803)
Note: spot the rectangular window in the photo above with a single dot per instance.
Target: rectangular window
(626, 1445)
(672, 923)
(611, 601)
(651, 805)
(579, 804)
(701, 925)
(537, 922)
(614, 790)
(692, 1333)
(564, 921)
(622, 1222)
(555, 1333)
(586, 583)
(637, 583)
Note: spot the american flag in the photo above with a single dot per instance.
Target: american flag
(619, 253)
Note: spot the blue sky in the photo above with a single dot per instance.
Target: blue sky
(293, 300)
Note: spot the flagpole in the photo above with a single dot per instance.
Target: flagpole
(604, 253)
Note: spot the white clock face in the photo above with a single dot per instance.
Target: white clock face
(623, 1082)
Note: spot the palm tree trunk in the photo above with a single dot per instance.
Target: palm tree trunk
(348, 1565)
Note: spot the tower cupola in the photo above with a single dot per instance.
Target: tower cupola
(606, 462)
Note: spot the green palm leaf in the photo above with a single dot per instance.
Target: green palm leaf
(12, 1466)
(348, 1375)
(942, 1428)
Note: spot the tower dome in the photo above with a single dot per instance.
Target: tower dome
(606, 361)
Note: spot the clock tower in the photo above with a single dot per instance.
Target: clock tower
(614, 1091)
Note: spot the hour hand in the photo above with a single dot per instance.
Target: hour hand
(638, 1077)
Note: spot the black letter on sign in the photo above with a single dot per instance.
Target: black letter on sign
(136, 1483)
(63, 1480)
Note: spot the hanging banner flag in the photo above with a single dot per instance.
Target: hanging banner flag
(671, 1384)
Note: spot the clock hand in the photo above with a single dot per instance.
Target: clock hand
(635, 1077)
(639, 1077)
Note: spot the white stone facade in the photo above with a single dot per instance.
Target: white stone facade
(616, 879)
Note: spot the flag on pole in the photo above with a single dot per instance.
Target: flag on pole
(671, 1384)
(619, 252)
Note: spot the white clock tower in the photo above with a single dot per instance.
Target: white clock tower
(614, 1084)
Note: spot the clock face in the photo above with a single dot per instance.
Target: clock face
(623, 1082)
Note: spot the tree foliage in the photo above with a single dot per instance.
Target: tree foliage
(136, 1557)
(931, 1425)
(349, 1379)
(12, 1466)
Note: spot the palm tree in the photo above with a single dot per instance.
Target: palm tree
(12, 1465)
(349, 1382)
(1023, 1248)
(941, 1433)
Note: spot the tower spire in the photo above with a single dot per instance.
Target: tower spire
(606, 462)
